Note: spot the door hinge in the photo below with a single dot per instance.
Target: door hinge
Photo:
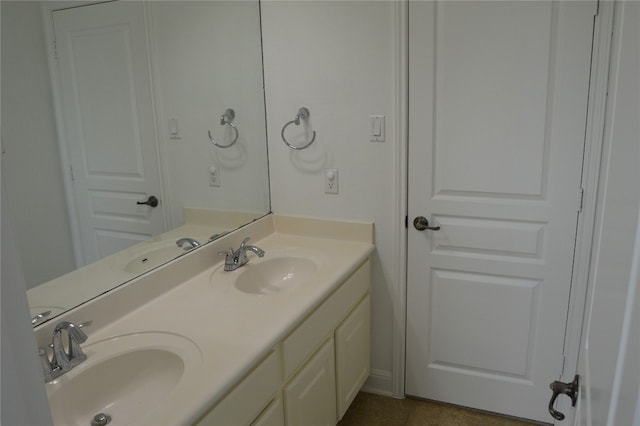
(55, 49)
(580, 199)
(72, 175)
(406, 222)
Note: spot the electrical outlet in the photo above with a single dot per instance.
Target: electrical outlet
(214, 176)
(331, 181)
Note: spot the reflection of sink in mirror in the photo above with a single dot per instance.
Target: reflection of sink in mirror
(275, 275)
(146, 256)
(153, 258)
(124, 377)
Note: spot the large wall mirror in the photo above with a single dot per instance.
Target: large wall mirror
(132, 133)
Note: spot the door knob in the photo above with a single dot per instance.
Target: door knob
(569, 389)
(421, 223)
(152, 201)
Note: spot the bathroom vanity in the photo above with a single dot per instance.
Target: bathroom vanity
(284, 339)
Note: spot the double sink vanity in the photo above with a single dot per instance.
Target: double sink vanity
(282, 339)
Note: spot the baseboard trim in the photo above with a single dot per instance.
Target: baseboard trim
(380, 382)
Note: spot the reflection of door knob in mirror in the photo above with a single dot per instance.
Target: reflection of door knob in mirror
(421, 223)
(152, 201)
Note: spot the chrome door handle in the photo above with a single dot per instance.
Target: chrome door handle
(152, 201)
(421, 223)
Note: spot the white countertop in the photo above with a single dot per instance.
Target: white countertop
(233, 330)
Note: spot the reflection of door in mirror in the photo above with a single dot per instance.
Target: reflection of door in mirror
(199, 58)
(107, 111)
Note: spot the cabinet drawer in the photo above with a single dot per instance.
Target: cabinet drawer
(247, 400)
(302, 342)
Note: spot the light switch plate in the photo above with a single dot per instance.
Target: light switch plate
(376, 129)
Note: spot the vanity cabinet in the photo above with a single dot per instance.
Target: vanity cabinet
(310, 397)
(353, 354)
(245, 403)
(273, 415)
(313, 375)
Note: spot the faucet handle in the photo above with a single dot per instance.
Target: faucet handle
(75, 351)
(85, 324)
(227, 252)
(75, 332)
(76, 336)
(44, 360)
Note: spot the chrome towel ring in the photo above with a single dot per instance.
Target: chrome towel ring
(303, 113)
(227, 118)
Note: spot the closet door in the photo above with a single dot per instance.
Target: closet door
(498, 100)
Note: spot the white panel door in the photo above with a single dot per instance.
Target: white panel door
(609, 365)
(107, 109)
(497, 103)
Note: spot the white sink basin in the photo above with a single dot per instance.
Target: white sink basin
(125, 377)
(275, 275)
(281, 270)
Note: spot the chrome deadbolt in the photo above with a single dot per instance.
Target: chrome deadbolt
(421, 223)
(152, 201)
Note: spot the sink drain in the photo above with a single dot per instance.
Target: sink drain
(101, 419)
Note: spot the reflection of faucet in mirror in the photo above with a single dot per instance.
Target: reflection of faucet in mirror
(236, 258)
(63, 359)
(38, 317)
(188, 40)
(189, 242)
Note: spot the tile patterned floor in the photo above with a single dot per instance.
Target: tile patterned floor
(375, 410)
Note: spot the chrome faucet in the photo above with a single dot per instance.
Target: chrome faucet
(236, 258)
(63, 359)
(190, 241)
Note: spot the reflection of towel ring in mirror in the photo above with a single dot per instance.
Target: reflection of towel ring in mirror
(226, 118)
(303, 113)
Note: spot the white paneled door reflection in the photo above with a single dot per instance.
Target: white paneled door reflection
(498, 99)
(107, 110)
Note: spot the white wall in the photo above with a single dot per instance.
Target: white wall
(23, 399)
(337, 59)
(31, 165)
(208, 60)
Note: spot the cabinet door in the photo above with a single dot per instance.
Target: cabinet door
(273, 415)
(247, 400)
(353, 354)
(310, 397)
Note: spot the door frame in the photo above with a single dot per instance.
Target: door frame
(48, 7)
(594, 139)
(586, 219)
